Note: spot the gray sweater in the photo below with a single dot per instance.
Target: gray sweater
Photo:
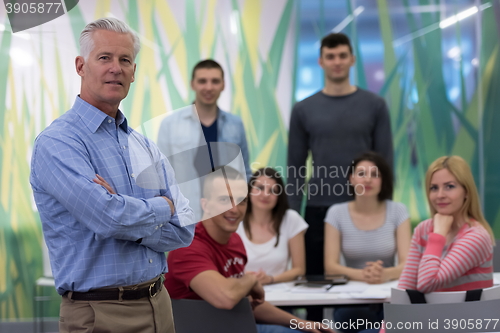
(336, 129)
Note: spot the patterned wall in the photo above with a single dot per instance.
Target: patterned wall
(254, 40)
(440, 102)
(438, 74)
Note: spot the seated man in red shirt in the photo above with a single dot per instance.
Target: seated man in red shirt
(212, 268)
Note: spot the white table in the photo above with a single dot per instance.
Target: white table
(361, 293)
(282, 295)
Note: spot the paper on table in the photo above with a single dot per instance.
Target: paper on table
(351, 287)
(278, 287)
(321, 288)
(363, 290)
(375, 291)
(389, 285)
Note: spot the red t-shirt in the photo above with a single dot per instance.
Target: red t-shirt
(202, 255)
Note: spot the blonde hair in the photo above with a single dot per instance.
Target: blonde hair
(459, 168)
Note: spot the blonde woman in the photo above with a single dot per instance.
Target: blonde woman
(453, 250)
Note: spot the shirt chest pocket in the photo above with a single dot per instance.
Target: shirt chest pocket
(231, 133)
(185, 137)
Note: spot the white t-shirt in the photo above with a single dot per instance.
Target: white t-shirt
(266, 257)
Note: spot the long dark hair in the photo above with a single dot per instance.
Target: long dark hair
(278, 212)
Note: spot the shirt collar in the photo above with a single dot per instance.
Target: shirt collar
(220, 115)
(92, 117)
(121, 121)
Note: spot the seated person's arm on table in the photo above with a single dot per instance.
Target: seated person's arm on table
(296, 248)
(225, 293)
(269, 314)
(332, 256)
(222, 292)
(375, 272)
(466, 253)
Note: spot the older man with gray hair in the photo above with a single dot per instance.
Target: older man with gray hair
(107, 217)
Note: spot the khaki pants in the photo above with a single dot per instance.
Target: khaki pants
(145, 315)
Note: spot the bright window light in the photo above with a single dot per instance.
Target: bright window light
(20, 57)
(459, 17)
(454, 52)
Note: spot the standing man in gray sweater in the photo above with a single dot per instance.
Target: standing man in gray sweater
(336, 124)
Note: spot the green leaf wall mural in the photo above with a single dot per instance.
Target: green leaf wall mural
(254, 40)
(434, 126)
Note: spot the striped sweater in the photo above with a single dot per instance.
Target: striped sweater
(465, 264)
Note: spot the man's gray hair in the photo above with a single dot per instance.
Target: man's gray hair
(106, 23)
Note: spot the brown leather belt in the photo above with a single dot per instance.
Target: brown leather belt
(114, 294)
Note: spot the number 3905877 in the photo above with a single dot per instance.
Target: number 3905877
(470, 324)
(33, 8)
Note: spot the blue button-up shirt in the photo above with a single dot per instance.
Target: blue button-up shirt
(181, 135)
(91, 234)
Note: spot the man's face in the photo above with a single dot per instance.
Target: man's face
(108, 71)
(336, 62)
(226, 209)
(207, 84)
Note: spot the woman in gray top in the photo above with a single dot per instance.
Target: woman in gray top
(368, 231)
